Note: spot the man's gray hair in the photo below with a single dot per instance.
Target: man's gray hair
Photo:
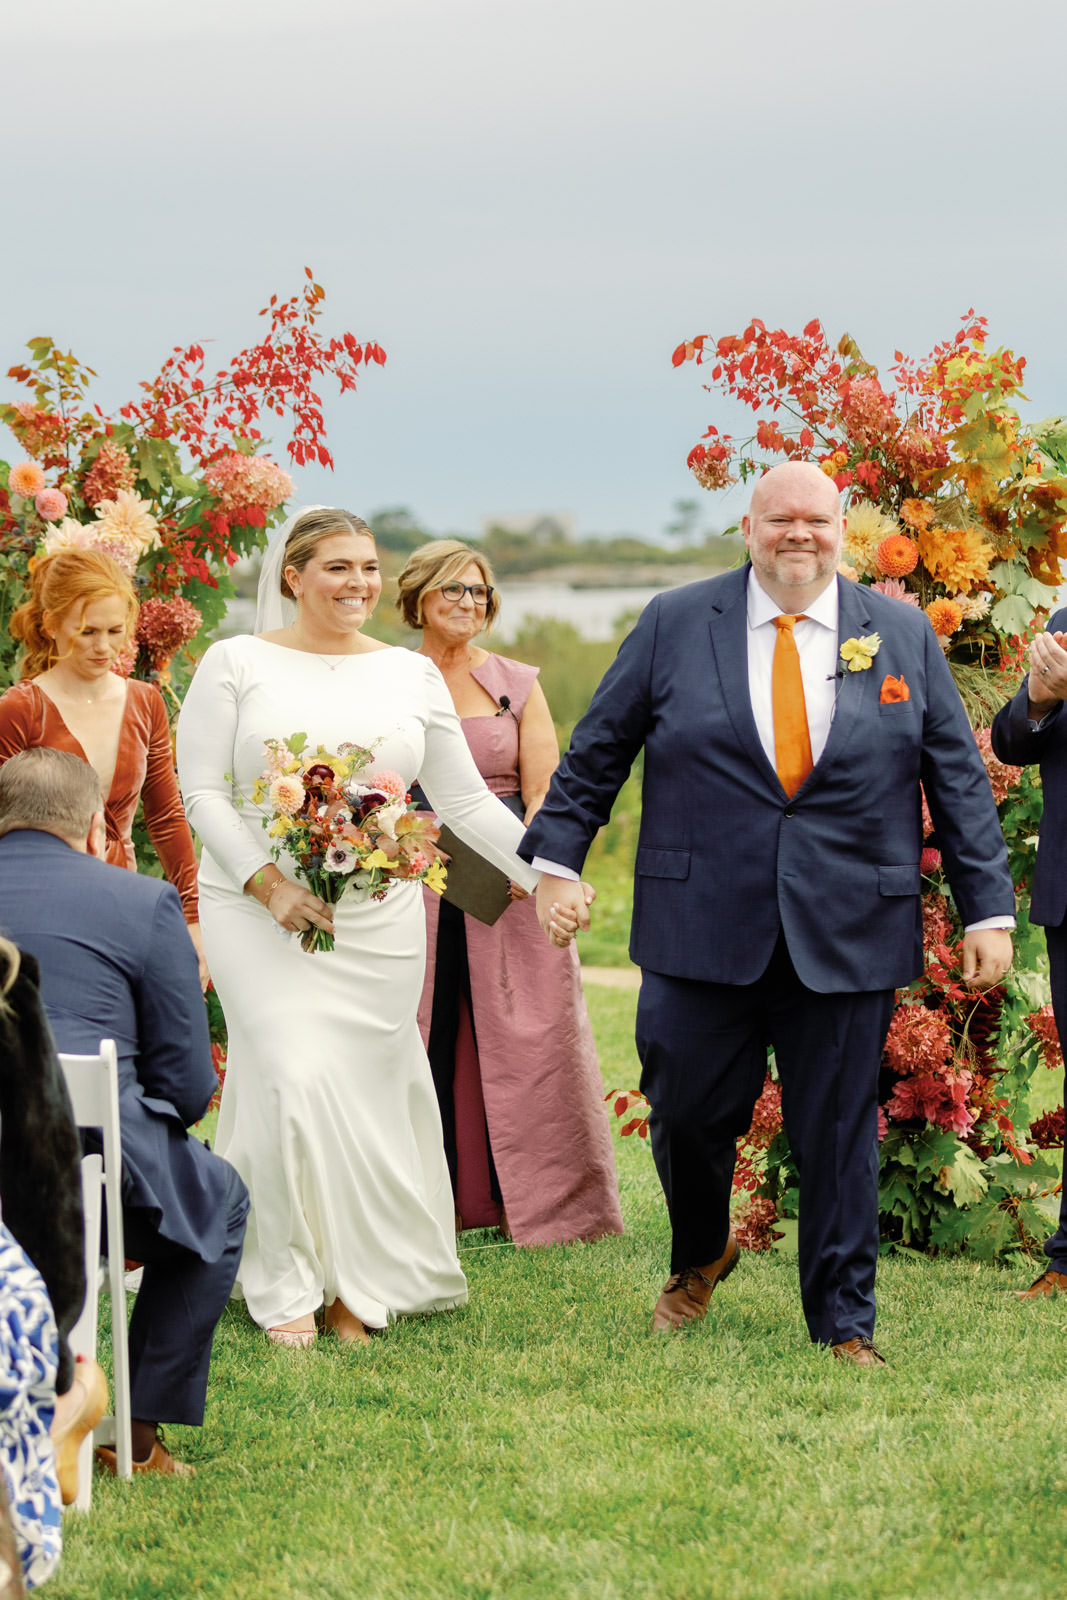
(52, 791)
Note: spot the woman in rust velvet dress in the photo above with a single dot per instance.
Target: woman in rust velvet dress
(78, 620)
(502, 1013)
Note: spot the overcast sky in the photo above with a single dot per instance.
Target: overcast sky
(529, 203)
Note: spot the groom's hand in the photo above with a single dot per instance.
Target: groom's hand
(986, 957)
(562, 907)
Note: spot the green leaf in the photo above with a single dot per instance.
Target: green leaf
(296, 743)
(963, 1177)
(148, 466)
(1012, 614)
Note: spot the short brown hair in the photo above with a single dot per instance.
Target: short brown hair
(309, 530)
(431, 565)
(51, 791)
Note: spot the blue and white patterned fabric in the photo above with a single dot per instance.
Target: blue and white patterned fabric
(28, 1359)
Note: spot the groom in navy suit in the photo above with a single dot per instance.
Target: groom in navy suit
(777, 888)
(116, 962)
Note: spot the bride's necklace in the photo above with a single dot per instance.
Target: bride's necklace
(333, 663)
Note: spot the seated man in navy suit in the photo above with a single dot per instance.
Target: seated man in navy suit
(1033, 727)
(116, 963)
(777, 890)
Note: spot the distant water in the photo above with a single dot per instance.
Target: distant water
(594, 612)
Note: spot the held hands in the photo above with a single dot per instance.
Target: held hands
(986, 957)
(563, 908)
(1048, 671)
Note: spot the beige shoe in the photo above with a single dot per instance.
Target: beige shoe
(84, 1414)
(160, 1461)
(339, 1320)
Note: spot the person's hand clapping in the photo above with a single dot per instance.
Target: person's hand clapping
(1048, 670)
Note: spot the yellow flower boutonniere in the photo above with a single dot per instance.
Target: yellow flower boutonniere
(857, 654)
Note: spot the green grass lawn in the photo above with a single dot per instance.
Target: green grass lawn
(541, 1443)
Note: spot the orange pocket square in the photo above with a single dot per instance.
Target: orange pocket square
(893, 690)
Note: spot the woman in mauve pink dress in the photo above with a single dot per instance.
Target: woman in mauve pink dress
(503, 1016)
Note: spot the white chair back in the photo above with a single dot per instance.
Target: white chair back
(93, 1086)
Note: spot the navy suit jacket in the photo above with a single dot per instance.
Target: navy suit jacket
(117, 963)
(1016, 742)
(725, 858)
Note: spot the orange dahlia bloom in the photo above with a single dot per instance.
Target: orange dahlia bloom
(897, 556)
(917, 513)
(957, 557)
(26, 479)
(945, 616)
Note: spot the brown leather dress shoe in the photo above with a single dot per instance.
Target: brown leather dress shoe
(160, 1461)
(87, 1409)
(859, 1352)
(1049, 1283)
(686, 1294)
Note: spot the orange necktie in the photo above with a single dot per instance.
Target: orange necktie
(792, 743)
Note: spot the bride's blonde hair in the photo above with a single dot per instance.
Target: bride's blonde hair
(308, 530)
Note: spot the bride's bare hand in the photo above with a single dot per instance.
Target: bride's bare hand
(296, 909)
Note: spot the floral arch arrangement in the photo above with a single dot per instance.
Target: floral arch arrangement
(956, 506)
(175, 486)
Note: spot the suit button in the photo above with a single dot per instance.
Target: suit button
(789, 811)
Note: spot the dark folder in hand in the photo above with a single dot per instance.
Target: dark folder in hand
(472, 883)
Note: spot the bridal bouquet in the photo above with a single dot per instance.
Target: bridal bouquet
(348, 825)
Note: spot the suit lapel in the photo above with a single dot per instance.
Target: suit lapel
(729, 643)
(856, 691)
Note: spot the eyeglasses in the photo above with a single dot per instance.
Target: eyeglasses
(480, 593)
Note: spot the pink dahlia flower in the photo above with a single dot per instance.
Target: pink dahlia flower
(51, 504)
(896, 589)
(389, 783)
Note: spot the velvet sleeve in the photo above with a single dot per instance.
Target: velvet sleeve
(19, 721)
(163, 813)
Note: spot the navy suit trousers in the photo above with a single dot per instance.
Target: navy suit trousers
(180, 1300)
(1056, 939)
(703, 1050)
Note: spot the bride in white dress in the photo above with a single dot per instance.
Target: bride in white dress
(328, 1111)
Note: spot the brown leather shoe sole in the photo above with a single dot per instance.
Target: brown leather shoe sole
(1042, 1288)
(160, 1461)
(686, 1294)
(859, 1352)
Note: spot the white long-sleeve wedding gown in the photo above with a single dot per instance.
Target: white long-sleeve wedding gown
(328, 1110)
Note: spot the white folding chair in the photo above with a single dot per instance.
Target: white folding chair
(93, 1085)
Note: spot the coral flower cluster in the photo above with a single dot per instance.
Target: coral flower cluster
(246, 484)
(1043, 1025)
(164, 626)
(111, 471)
